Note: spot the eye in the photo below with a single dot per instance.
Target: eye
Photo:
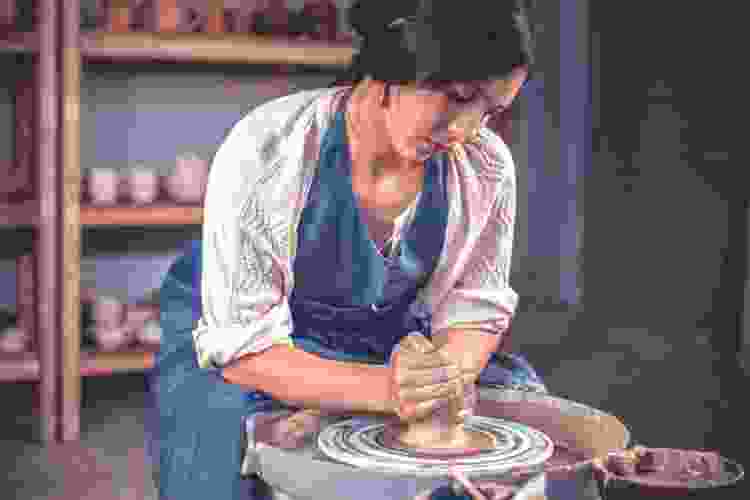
(492, 114)
(462, 94)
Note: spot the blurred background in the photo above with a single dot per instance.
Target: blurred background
(631, 248)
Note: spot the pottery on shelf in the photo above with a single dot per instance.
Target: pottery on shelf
(112, 339)
(14, 340)
(108, 312)
(143, 185)
(149, 333)
(323, 19)
(239, 15)
(272, 18)
(103, 186)
(7, 14)
(187, 183)
(167, 16)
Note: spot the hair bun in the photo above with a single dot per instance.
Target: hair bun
(370, 18)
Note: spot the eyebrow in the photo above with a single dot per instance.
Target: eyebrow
(481, 90)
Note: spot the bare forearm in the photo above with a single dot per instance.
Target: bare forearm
(305, 380)
(471, 349)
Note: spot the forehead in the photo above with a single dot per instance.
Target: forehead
(497, 86)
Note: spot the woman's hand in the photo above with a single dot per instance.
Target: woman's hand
(287, 431)
(463, 487)
(424, 380)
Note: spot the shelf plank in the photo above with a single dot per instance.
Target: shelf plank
(18, 214)
(227, 48)
(18, 42)
(24, 367)
(150, 215)
(21, 367)
(107, 363)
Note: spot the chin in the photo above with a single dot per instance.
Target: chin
(419, 151)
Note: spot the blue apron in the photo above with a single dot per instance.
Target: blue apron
(349, 303)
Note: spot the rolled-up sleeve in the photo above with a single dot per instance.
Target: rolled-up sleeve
(482, 298)
(244, 298)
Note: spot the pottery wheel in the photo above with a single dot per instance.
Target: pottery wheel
(364, 443)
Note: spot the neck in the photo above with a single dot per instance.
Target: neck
(372, 151)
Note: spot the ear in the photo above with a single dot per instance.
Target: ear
(509, 87)
(517, 78)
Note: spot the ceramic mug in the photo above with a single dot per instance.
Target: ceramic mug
(112, 339)
(141, 313)
(103, 186)
(13, 340)
(143, 185)
(149, 333)
(108, 312)
(187, 183)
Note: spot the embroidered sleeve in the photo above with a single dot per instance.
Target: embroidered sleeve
(482, 297)
(245, 276)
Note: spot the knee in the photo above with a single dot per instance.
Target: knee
(197, 388)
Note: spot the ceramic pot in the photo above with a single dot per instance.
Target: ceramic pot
(143, 185)
(187, 184)
(149, 333)
(108, 312)
(103, 186)
(14, 340)
(112, 339)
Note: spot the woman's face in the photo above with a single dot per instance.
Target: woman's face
(422, 119)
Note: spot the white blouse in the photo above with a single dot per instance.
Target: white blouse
(257, 189)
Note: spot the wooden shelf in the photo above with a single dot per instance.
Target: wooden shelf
(24, 367)
(211, 48)
(21, 367)
(23, 42)
(151, 215)
(18, 214)
(107, 363)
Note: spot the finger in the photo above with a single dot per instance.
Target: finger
(496, 491)
(422, 410)
(425, 495)
(418, 343)
(456, 403)
(412, 360)
(436, 391)
(464, 481)
(421, 378)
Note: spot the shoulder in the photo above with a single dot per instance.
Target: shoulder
(491, 162)
(277, 118)
(262, 144)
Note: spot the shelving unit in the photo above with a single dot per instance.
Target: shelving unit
(151, 215)
(59, 49)
(108, 363)
(24, 213)
(19, 42)
(210, 49)
(40, 211)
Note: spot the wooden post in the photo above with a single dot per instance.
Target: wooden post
(47, 242)
(69, 184)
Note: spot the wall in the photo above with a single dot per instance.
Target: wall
(653, 343)
(147, 115)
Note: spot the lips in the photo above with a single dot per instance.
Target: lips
(446, 143)
(439, 146)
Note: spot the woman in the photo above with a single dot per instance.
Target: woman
(339, 221)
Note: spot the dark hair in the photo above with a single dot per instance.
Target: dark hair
(414, 40)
